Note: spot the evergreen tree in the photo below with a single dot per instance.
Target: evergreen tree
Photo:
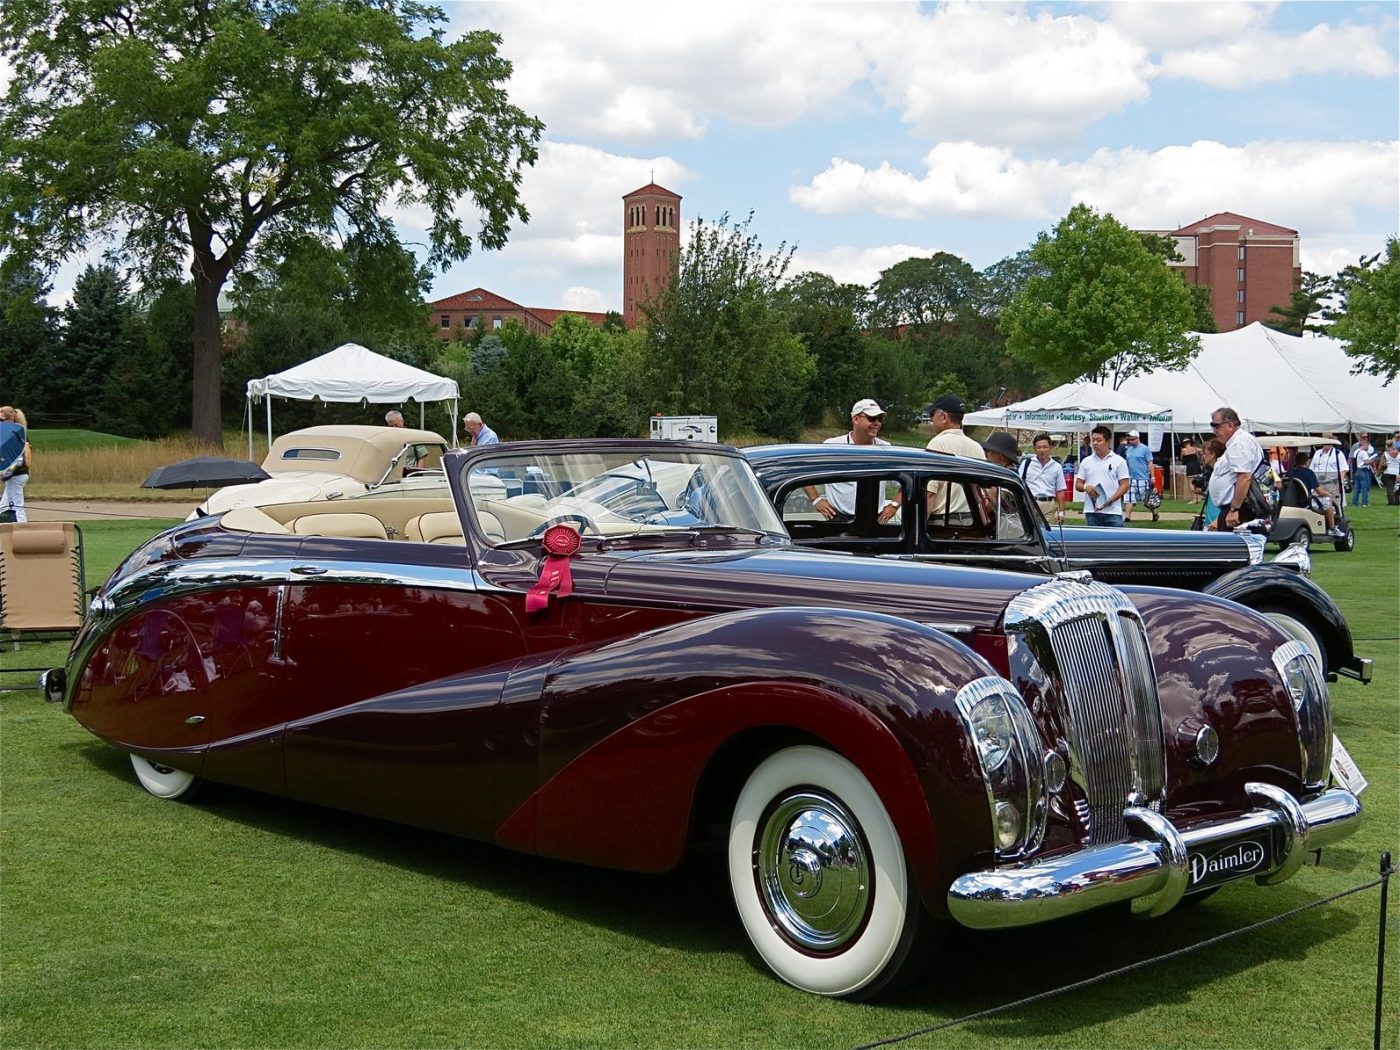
(29, 341)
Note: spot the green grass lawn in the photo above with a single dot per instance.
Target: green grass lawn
(59, 439)
(249, 921)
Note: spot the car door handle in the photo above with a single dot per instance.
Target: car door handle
(308, 570)
(194, 720)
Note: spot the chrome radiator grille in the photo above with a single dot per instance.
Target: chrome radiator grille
(1089, 641)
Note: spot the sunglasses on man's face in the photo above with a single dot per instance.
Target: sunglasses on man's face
(875, 419)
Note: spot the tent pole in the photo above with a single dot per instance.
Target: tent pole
(269, 422)
(454, 422)
(422, 418)
(248, 415)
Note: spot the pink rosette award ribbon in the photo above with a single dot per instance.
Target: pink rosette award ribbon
(560, 544)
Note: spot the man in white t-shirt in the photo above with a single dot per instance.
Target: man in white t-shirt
(867, 417)
(1243, 455)
(1103, 478)
(947, 504)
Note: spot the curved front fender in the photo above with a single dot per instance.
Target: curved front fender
(627, 731)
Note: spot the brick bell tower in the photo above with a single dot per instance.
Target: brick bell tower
(651, 235)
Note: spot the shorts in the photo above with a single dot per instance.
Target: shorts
(1322, 502)
(1138, 490)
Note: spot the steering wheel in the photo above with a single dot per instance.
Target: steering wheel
(584, 524)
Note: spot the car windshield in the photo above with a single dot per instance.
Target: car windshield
(617, 493)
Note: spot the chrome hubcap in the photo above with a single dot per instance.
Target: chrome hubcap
(813, 872)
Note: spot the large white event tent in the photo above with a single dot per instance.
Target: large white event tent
(348, 374)
(1277, 383)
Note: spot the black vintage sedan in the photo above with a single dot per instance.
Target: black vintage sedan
(906, 503)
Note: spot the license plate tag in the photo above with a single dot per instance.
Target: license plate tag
(1232, 859)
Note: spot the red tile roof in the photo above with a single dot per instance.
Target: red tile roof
(652, 187)
(1229, 218)
(479, 300)
(476, 299)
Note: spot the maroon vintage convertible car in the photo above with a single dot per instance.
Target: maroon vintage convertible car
(603, 651)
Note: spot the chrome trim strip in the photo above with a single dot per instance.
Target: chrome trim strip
(1144, 867)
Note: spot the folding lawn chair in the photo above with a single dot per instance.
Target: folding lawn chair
(41, 586)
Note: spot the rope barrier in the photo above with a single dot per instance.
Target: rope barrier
(1145, 963)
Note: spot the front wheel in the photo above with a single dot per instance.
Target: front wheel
(1347, 542)
(164, 781)
(819, 876)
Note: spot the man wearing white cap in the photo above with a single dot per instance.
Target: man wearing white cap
(867, 417)
(1139, 458)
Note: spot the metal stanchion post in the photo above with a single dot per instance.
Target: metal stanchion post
(1386, 872)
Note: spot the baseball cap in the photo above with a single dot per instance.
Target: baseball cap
(1133, 434)
(951, 404)
(866, 407)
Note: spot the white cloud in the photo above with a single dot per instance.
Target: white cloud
(1166, 25)
(633, 70)
(995, 72)
(1262, 57)
(854, 265)
(1329, 254)
(581, 298)
(1000, 74)
(1318, 185)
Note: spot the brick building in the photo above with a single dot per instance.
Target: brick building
(1249, 266)
(651, 234)
(480, 308)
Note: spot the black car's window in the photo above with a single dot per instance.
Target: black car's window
(859, 511)
(961, 512)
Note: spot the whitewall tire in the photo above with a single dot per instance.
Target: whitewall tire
(1296, 628)
(163, 781)
(819, 876)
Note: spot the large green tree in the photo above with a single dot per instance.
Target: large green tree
(1368, 317)
(1104, 306)
(826, 316)
(926, 292)
(718, 339)
(190, 130)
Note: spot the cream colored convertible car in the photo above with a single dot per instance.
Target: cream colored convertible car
(338, 462)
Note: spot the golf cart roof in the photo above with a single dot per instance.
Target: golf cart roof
(1294, 441)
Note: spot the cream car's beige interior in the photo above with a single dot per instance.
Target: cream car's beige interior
(416, 519)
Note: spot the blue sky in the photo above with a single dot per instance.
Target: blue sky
(865, 133)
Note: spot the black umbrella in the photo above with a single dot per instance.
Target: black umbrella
(204, 472)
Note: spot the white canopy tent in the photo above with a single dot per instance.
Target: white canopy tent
(348, 374)
(1276, 382)
(1075, 406)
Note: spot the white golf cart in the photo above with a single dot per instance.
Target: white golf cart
(1295, 518)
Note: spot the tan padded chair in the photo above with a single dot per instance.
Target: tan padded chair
(442, 527)
(41, 576)
(354, 526)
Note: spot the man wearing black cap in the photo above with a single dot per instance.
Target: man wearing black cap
(950, 505)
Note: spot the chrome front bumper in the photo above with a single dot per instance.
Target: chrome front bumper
(1153, 869)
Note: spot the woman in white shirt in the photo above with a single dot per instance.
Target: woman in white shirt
(1390, 473)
